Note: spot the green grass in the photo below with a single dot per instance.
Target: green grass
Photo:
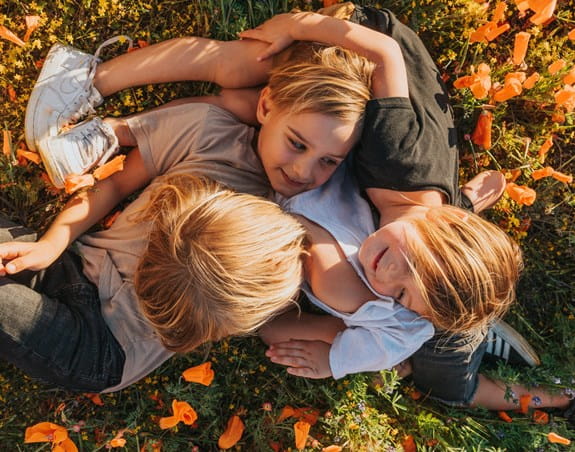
(353, 413)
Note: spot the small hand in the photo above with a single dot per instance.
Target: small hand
(308, 359)
(18, 256)
(277, 31)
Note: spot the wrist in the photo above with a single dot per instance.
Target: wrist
(305, 22)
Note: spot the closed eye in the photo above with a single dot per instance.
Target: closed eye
(329, 162)
(401, 294)
(297, 145)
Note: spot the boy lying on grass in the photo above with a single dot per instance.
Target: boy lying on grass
(483, 191)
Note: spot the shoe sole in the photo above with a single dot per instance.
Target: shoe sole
(517, 342)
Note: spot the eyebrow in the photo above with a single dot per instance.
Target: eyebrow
(307, 143)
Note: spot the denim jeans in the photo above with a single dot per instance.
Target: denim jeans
(445, 371)
(51, 326)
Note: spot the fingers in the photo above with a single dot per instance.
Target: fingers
(254, 33)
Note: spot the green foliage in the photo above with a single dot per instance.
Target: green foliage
(362, 412)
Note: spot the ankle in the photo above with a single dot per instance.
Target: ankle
(484, 190)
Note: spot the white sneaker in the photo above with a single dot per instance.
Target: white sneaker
(88, 144)
(504, 342)
(64, 92)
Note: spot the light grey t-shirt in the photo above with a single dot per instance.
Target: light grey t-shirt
(192, 138)
(381, 333)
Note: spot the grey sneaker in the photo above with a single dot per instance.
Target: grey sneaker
(64, 92)
(503, 342)
(76, 151)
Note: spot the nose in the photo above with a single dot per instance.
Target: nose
(303, 170)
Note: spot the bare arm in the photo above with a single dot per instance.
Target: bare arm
(390, 77)
(80, 213)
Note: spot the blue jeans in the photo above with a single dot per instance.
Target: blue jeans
(51, 326)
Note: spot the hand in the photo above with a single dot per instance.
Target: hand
(278, 32)
(18, 256)
(308, 359)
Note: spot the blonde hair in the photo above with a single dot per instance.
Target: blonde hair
(218, 263)
(466, 268)
(310, 77)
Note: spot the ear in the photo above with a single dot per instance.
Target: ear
(265, 105)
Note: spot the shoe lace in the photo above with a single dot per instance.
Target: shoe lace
(86, 101)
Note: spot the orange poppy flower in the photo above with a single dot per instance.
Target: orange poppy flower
(524, 402)
(109, 168)
(479, 34)
(540, 417)
(494, 32)
(562, 177)
(520, 47)
(521, 195)
(202, 374)
(558, 117)
(504, 416)
(565, 97)
(287, 412)
(557, 439)
(11, 93)
(543, 10)
(569, 78)
(571, 35)
(541, 173)
(499, 13)
(95, 398)
(511, 88)
(544, 149)
(7, 143)
(28, 155)
(75, 182)
(556, 66)
(511, 175)
(183, 412)
(301, 430)
(531, 80)
(408, 444)
(478, 82)
(232, 434)
(32, 22)
(332, 448)
(46, 432)
(118, 440)
(7, 34)
(481, 136)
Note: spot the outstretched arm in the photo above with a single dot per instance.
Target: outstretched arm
(389, 78)
(80, 213)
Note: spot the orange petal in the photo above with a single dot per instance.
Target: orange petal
(232, 434)
(522, 5)
(571, 35)
(558, 439)
(499, 13)
(511, 89)
(75, 182)
(520, 47)
(287, 412)
(556, 66)
(494, 33)
(504, 416)
(540, 417)
(310, 415)
(543, 11)
(544, 149)
(11, 93)
(117, 442)
(524, 402)
(566, 97)
(521, 195)
(482, 134)
(66, 445)
(107, 169)
(511, 175)
(7, 34)
(558, 117)
(202, 374)
(28, 155)
(184, 412)
(301, 430)
(562, 177)
(109, 221)
(479, 34)
(43, 432)
(168, 422)
(518, 76)
(32, 22)
(408, 444)
(541, 173)
(95, 398)
(569, 78)
(531, 80)
(332, 448)
(7, 144)
(463, 82)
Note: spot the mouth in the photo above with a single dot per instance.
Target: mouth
(378, 258)
(291, 182)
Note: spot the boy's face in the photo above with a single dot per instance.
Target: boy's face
(301, 151)
(383, 256)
